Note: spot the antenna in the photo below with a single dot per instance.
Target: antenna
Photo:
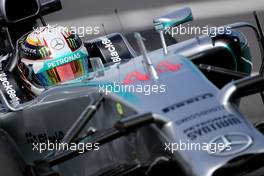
(163, 42)
(150, 68)
(119, 21)
(103, 26)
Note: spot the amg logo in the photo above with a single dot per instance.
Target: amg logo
(187, 102)
(110, 47)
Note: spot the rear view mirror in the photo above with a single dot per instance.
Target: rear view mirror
(13, 11)
(173, 19)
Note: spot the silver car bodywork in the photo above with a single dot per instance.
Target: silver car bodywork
(190, 105)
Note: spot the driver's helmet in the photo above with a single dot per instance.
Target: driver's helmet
(49, 56)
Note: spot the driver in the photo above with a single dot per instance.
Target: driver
(48, 56)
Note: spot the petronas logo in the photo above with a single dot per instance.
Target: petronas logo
(72, 43)
(43, 52)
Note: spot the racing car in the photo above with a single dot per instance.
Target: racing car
(134, 111)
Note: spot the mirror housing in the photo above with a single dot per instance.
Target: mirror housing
(173, 19)
(50, 6)
(28, 9)
(10, 13)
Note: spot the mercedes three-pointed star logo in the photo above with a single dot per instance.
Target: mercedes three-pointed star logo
(57, 43)
(233, 143)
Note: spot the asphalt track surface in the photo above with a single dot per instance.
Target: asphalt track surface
(215, 13)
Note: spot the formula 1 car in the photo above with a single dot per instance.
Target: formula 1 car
(132, 117)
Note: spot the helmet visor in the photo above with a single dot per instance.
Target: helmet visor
(63, 73)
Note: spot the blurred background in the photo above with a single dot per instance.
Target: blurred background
(127, 16)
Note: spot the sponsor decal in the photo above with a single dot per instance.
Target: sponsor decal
(72, 43)
(187, 102)
(43, 51)
(234, 143)
(135, 76)
(28, 50)
(111, 48)
(199, 114)
(163, 66)
(9, 89)
(44, 137)
(57, 44)
(211, 125)
(52, 63)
